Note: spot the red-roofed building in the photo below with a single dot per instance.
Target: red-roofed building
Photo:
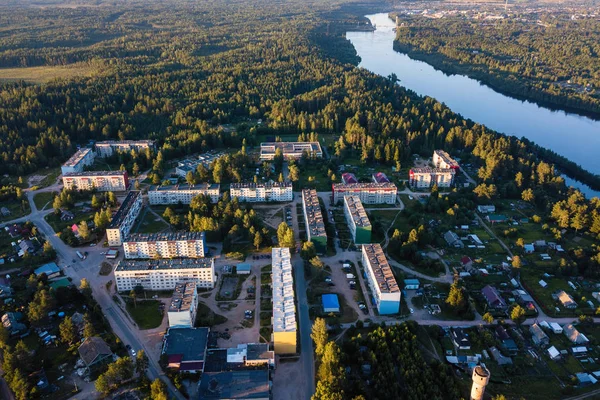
(348, 177)
(466, 262)
(380, 177)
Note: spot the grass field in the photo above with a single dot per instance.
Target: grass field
(43, 198)
(58, 225)
(206, 317)
(145, 313)
(16, 209)
(150, 223)
(44, 74)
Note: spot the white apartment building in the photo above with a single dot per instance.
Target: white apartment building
(164, 274)
(183, 306)
(123, 220)
(175, 194)
(103, 181)
(385, 289)
(262, 192)
(368, 193)
(441, 159)
(422, 178)
(357, 219)
(109, 147)
(290, 150)
(165, 245)
(284, 310)
(79, 160)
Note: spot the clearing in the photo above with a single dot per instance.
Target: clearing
(44, 74)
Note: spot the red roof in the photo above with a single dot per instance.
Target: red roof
(465, 260)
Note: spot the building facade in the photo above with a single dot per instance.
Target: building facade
(79, 160)
(183, 306)
(315, 225)
(357, 219)
(123, 220)
(284, 309)
(103, 181)
(109, 147)
(175, 194)
(423, 178)
(368, 193)
(164, 274)
(385, 289)
(290, 150)
(165, 245)
(262, 192)
(441, 159)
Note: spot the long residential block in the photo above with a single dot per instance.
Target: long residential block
(183, 306)
(165, 245)
(123, 220)
(284, 309)
(368, 193)
(426, 177)
(164, 274)
(262, 192)
(103, 181)
(315, 225)
(385, 289)
(175, 194)
(358, 221)
(79, 160)
(109, 147)
(290, 149)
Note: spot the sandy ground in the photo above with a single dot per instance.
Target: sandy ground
(288, 382)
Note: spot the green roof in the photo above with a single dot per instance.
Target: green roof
(64, 282)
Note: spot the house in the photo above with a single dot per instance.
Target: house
(243, 269)
(466, 262)
(475, 240)
(543, 283)
(5, 211)
(460, 339)
(94, 352)
(507, 343)
(14, 230)
(11, 323)
(496, 218)
(411, 284)
(538, 336)
(553, 353)
(51, 270)
(493, 298)
(500, 359)
(26, 246)
(78, 320)
(540, 244)
(235, 385)
(529, 248)
(566, 300)
(453, 240)
(486, 209)
(579, 351)
(331, 303)
(574, 335)
(556, 328)
(75, 230)
(66, 215)
(185, 348)
(585, 379)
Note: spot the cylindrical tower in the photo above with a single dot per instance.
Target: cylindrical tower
(481, 377)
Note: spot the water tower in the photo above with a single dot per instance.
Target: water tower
(481, 377)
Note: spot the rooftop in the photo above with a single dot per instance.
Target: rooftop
(124, 209)
(165, 236)
(290, 147)
(183, 297)
(181, 187)
(190, 343)
(348, 177)
(330, 300)
(94, 173)
(125, 142)
(446, 157)
(266, 185)
(247, 384)
(380, 177)
(77, 157)
(364, 186)
(164, 264)
(93, 347)
(312, 208)
(381, 269)
(284, 310)
(429, 170)
(357, 211)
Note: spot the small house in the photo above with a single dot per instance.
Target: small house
(538, 336)
(486, 209)
(543, 283)
(51, 270)
(553, 353)
(243, 269)
(556, 328)
(411, 284)
(566, 300)
(496, 218)
(331, 303)
(574, 335)
(466, 262)
(453, 240)
(493, 298)
(94, 352)
(460, 339)
(529, 248)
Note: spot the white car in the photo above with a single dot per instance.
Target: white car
(412, 311)
(133, 352)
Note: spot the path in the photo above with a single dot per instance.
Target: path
(492, 234)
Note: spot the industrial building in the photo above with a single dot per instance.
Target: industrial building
(192, 164)
(123, 220)
(284, 310)
(102, 181)
(290, 150)
(369, 193)
(182, 194)
(165, 245)
(441, 159)
(109, 147)
(357, 219)
(315, 225)
(262, 192)
(185, 349)
(426, 177)
(183, 306)
(79, 160)
(164, 274)
(385, 289)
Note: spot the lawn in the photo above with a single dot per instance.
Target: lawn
(43, 198)
(150, 223)
(47, 177)
(58, 225)
(17, 209)
(146, 313)
(44, 74)
(312, 176)
(206, 317)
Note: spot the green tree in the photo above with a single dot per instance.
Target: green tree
(19, 385)
(528, 195)
(4, 336)
(308, 250)
(285, 236)
(190, 178)
(85, 288)
(84, 230)
(257, 240)
(95, 202)
(68, 331)
(317, 263)
(517, 314)
(133, 296)
(88, 329)
(488, 318)
(330, 369)
(319, 335)
(158, 390)
(141, 362)
(516, 262)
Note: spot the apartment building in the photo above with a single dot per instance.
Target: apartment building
(426, 177)
(368, 193)
(183, 306)
(164, 274)
(109, 147)
(284, 310)
(175, 194)
(315, 225)
(357, 219)
(385, 289)
(262, 192)
(165, 245)
(102, 181)
(79, 160)
(290, 150)
(123, 220)
(441, 159)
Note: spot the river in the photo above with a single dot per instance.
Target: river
(570, 135)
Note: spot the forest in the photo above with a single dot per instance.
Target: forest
(552, 60)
